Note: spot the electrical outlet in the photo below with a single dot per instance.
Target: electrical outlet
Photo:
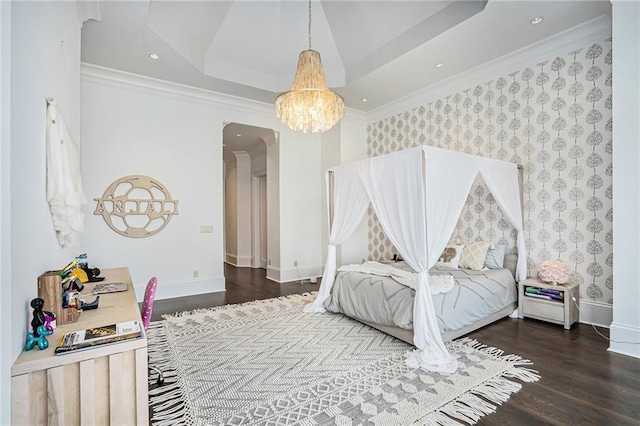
(196, 273)
(206, 229)
(295, 263)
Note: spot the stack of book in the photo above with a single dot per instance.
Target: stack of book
(544, 293)
(98, 336)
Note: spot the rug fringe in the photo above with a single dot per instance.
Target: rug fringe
(525, 374)
(224, 307)
(167, 400)
(485, 398)
(439, 419)
(494, 352)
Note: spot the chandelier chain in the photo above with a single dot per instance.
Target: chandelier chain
(309, 24)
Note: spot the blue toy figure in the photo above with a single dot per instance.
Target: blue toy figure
(40, 340)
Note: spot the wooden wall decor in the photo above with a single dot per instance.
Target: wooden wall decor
(136, 206)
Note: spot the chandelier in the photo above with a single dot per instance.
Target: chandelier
(309, 106)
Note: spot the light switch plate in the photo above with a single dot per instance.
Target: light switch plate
(206, 229)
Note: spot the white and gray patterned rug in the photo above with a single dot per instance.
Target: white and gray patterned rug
(268, 363)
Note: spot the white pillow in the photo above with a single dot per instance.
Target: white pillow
(450, 256)
(474, 254)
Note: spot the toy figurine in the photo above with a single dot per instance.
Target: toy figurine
(49, 320)
(39, 338)
(76, 285)
(88, 306)
(38, 315)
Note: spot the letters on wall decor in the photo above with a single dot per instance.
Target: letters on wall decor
(136, 206)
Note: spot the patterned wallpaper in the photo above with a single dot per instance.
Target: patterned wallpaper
(554, 118)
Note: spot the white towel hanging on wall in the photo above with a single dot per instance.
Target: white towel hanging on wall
(65, 194)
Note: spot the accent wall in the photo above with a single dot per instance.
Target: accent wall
(554, 118)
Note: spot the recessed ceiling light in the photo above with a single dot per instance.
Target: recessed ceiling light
(439, 65)
(154, 56)
(365, 100)
(238, 134)
(536, 20)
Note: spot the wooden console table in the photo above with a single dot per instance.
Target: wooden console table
(99, 386)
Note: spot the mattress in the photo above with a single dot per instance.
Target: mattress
(475, 296)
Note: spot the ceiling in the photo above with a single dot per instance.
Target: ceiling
(374, 50)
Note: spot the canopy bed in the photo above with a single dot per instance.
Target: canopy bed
(417, 195)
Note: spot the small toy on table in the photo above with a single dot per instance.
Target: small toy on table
(40, 339)
(49, 320)
(39, 329)
(38, 315)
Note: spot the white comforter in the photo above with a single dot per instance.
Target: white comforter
(437, 283)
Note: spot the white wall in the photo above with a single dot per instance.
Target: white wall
(174, 133)
(330, 158)
(6, 356)
(344, 143)
(300, 205)
(177, 142)
(273, 207)
(243, 184)
(258, 164)
(353, 147)
(231, 211)
(45, 61)
(626, 179)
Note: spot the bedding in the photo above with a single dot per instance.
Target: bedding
(437, 283)
(475, 296)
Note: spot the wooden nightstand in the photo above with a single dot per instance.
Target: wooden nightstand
(556, 311)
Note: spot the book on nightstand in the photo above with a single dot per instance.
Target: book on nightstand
(98, 336)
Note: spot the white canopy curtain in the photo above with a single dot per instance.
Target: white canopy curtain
(418, 195)
(349, 201)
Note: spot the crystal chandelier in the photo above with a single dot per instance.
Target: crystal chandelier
(309, 106)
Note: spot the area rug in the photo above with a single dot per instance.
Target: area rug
(268, 363)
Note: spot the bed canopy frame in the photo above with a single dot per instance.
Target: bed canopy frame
(417, 195)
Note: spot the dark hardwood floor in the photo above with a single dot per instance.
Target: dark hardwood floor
(243, 285)
(582, 383)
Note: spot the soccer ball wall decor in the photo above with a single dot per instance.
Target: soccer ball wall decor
(136, 206)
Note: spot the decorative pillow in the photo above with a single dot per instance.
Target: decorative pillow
(495, 257)
(474, 254)
(450, 256)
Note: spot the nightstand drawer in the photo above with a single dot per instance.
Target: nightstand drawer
(543, 309)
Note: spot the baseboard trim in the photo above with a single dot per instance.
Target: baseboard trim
(273, 273)
(285, 275)
(244, 261)
(596, 313)
(181, 288)
(239, 261)
(625, 339)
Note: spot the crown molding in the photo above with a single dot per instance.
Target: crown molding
(88, 9)
(109, 77)
(591, 31)
(355, 116)
(242, 156)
